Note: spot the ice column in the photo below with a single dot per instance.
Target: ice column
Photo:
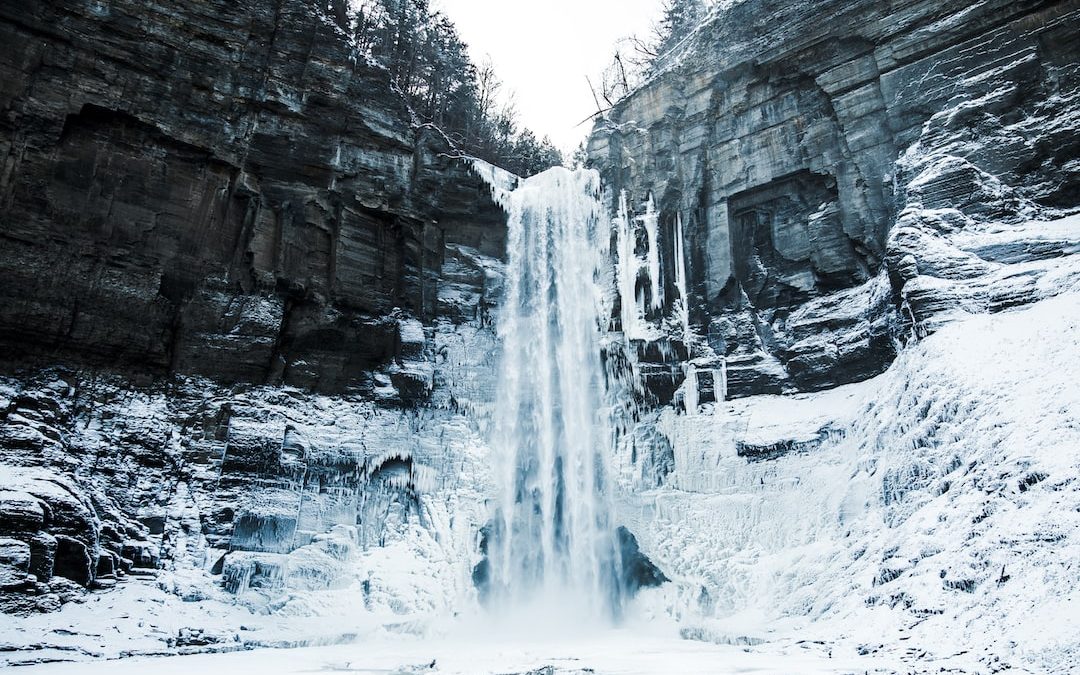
(651, 221)
(680, 279)
(690, 390)
(633, 314)
(720, 381)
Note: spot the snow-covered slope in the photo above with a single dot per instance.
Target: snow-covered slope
(932, 513)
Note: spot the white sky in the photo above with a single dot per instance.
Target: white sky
(543, 49)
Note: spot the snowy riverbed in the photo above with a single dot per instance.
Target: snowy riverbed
(615, 652)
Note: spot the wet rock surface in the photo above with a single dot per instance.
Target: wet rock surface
(823, 159)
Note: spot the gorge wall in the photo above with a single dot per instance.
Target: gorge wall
(219, 189)
(239, 289)
(817, 156)
(848, 242)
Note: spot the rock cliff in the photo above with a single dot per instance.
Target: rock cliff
(870, 209)
(825, 158)
(220, 189)
(215, 214)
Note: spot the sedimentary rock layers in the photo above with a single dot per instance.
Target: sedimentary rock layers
(219, 188)
(789, 136)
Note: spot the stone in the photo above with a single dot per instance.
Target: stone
(142, 554)
(42, 555)
(637, 570)
(301, 207)
(73, 560)
(20, 512)
(807, 155)
(14, 563)
(259, 571)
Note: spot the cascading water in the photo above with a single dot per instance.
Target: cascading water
(553, 536)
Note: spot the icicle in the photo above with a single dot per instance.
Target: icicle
(500, 181)
(720, 381)
(680, 280)
(651, 221)
(633, 314)
(690, 390)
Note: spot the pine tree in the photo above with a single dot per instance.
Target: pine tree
(429, 63)
(679, 18)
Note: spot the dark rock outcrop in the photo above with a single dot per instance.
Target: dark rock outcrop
(637, 570)
(222, 189)
(787, 139)
(200, 199)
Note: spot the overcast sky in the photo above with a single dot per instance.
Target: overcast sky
(543, 49)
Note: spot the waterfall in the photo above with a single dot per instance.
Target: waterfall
(552, 535)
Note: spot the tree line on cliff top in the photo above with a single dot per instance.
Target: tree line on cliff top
(429, 64)
(635, 58)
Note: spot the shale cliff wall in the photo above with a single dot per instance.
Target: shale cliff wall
(789, 139)
(218, 188)
(243, 307)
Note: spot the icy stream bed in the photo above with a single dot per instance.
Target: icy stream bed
(617, 652)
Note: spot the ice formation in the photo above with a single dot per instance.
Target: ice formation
(680, 278)
(629, 266)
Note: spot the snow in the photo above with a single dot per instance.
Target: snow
(502, 182)
(617, 652)
(930, 514)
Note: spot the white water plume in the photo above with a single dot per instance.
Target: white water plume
(553, 535)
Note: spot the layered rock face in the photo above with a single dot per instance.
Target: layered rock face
(219, 189)
(267, 292)
(811, 193)
(823, 158)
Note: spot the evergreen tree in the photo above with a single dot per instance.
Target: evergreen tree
(678, 19)
(429, 63)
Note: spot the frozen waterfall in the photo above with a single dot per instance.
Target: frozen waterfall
(553, 539)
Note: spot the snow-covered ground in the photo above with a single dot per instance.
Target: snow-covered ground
(614, 652)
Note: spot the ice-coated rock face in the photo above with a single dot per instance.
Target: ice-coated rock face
(211, 212)
(804, 149)
(300, 503)
(933, 505)
(222, 189)
(839, 189)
